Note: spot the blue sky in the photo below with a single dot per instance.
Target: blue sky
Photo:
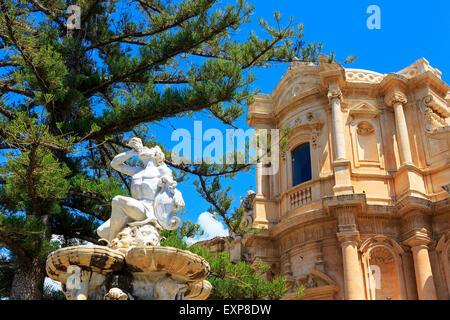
(409, 31)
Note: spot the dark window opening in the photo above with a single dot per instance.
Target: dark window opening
(301, 164)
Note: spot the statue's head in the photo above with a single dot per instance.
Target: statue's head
(154, 153)
(145, 154)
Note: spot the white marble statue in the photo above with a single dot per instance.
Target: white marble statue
(137, 220)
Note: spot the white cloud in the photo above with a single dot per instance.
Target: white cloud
(212, 228)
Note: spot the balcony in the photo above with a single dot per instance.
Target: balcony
(299, 197)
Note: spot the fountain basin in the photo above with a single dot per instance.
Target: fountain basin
(166, 273)
(180, 264)
(98, 259)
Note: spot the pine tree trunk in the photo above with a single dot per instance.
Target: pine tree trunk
(28, 281)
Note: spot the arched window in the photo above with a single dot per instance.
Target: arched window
(301, 164)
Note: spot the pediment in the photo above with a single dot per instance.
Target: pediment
(364, 109)
(317, 285)
(313, 279)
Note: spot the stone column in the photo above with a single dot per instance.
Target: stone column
(354, 286)
(422, 267)
(397, 99)
(349, 236)
(335, 96)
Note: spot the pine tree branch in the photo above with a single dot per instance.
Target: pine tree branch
(225, 121)
(21, 49)
(5, 88)
(210, 199)
(48, 12)
(184, 168)
(14, 246)
(9, 64)
(90, 10)
(149, 6)
(182, 47)
(123, 37)
(85, 194)
(75, 235)
(30, 179)
(82, 209)
(125, 182)
(6, 113)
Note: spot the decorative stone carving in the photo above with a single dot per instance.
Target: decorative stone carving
(363, 76)
(315, 138)
(116, 294)
(365, 128)
(307, 122)
(82, 270)
(363, 110)
(334, 94)
(133, 257)
(237, 249)
(395, 97)
(318, 285)
(247, 203)
(137, 220)
(435, 114)
(310, 282)
(420, 66)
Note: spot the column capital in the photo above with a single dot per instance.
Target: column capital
(334, 93)
(418, 241)
(348, 237)
(395, 97)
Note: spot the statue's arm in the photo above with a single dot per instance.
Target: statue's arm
(118, 163)
(168, 182)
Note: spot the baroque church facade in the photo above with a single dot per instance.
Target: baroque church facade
(360, 206)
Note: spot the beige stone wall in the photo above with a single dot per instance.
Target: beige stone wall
(380, 151)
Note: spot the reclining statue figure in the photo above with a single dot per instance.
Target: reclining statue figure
(137, 220)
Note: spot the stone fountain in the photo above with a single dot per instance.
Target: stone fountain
(133, 265)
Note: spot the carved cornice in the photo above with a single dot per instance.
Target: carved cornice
(395, 97)
(410, 203)
(345, 201)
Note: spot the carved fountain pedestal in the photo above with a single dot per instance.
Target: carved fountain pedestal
(141, 273)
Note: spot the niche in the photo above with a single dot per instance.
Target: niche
(366, 142)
